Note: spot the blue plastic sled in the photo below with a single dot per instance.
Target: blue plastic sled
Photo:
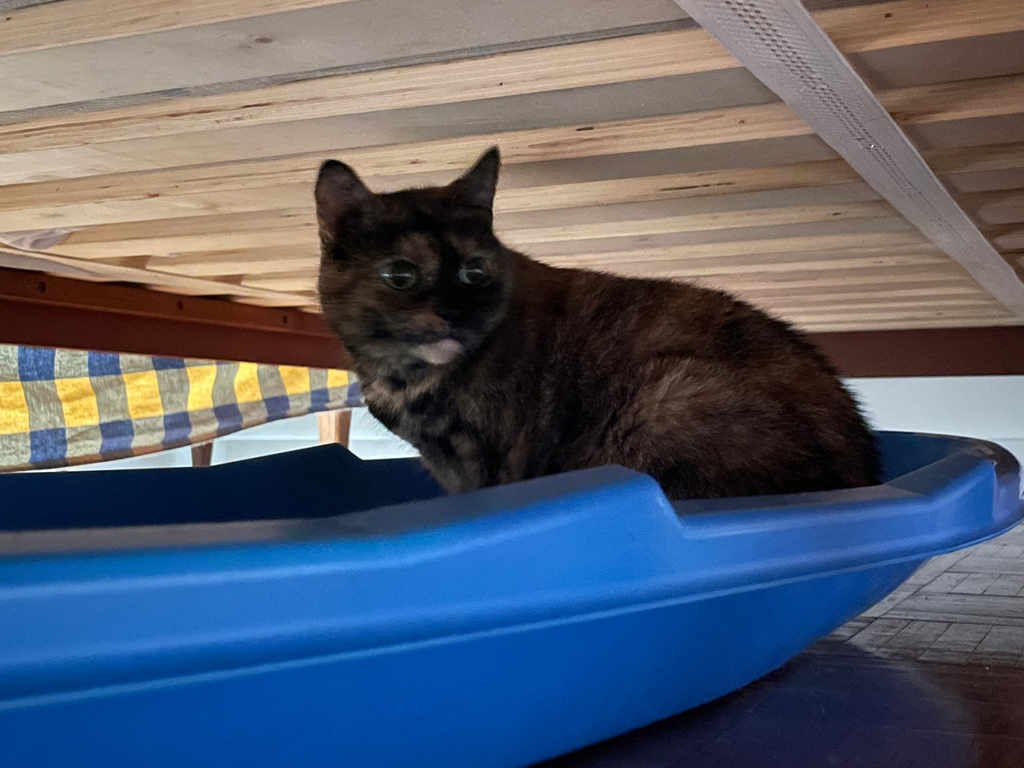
(234, 616)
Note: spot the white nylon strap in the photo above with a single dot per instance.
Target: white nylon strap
(783, 46)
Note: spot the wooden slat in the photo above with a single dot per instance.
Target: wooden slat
(993, 157)
(449, 154)
(156, 206)
(302, 280)
(866, 295)
(290, 264)
(946, 162)
(838, 268)
(840, 278)
(788, 305)
(761, 217)
(258, 261)
(298, 227)
(291, 237)
(70, 22)
(761, 289)
(688, 269)
(966, 99)
(509, 74)
(297, 281)
(189, 226)
(294, 227)
(998, 206)
(923, 105)
(848, 281)
(953, 323)
(274, 260)
(895, 24)
(680, 186)
(824, 274)
(881, 315)
(54, 263)
(890, 315)
(631, 58)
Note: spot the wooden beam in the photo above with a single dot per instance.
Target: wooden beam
(948, 163)
(71, 22)
(995, 351)
(42, 310)
(578, 65)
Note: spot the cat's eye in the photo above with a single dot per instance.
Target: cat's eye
(400, 274)
(474, 272)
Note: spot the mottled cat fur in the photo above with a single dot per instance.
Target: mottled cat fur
(499, 368)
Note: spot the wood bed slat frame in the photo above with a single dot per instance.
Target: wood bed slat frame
(170, 212)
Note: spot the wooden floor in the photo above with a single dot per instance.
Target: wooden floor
(963, 608)
(932, 677)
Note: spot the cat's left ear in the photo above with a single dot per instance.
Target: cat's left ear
(476, 187)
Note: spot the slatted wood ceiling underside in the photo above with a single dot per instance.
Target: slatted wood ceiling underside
(174, 144)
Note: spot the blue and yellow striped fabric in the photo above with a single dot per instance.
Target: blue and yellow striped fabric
(60, 407)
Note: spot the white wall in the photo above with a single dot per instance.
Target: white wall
(274, 437)
(989, 407)
(177, 457)
(368, 439)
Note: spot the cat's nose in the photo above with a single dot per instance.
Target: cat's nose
(450, 315)
(430, 323)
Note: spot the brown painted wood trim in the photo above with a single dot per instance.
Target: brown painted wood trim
(41, 310)
(932, 352)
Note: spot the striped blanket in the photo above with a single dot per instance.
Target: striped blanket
(60, 407)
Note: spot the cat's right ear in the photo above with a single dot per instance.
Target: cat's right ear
(341, 198)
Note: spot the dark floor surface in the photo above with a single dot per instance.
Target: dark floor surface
(932, 677)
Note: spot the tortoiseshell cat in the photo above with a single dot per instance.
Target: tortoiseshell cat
(499, 368)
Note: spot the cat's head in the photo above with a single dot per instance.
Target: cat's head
(414, 278)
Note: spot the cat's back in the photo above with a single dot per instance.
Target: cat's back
(707, 393)
(626, 318)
